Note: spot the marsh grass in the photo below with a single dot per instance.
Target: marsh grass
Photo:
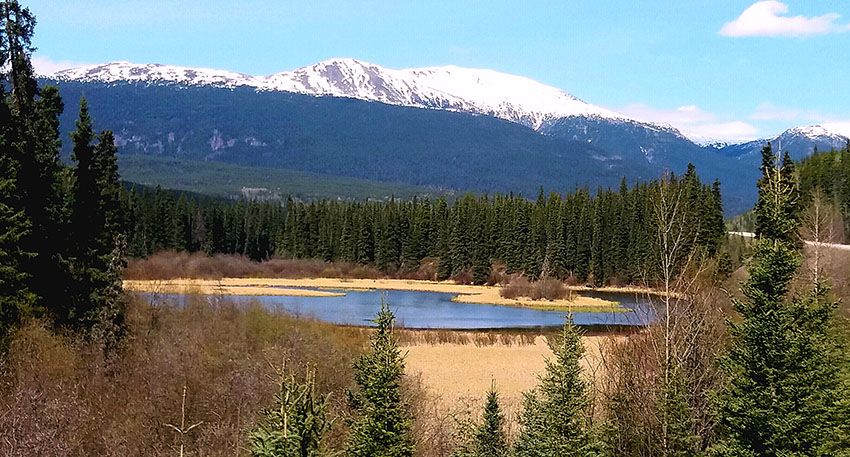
(501, 337)
(60, 396)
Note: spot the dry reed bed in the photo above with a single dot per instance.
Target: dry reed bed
(458, 374)
(466, 293)
(216, 288)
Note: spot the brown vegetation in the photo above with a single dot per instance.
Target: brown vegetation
(456, 373)
(544, 289)
(61, 396)
(170, 265)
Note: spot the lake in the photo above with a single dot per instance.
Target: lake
(435, 310)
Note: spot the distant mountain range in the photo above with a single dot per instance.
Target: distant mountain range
(344, 117)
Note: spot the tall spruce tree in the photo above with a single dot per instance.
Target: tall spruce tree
(554, 419)
(490, 439)
(783, 385)
(31, 172)
(382, 427)
(16, 300)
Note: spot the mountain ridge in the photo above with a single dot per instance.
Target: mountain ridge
(514, 98)
(481, 91)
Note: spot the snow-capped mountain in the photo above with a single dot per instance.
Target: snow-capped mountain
(513, 98)
(820, 133)
(153, 73)
(798, 141)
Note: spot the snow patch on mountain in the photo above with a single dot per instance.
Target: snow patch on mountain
(839, 128)
(815, 132)
(153, 73)
(513, 98)
(509, 97)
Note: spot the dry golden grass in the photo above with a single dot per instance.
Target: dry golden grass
(213, 288)
(466, 293)
(575, 302)
(460, 374)
(60, 396)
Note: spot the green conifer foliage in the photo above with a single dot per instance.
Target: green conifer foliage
(554, 419)
(31, 133)
(296, 426)
(382, 427)
(490, 439)
(783, 384)
(608, 237)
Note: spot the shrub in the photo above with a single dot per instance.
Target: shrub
(517, 287)
(464, 277)
(544, 289)
(60, 396)
(498, 274)
(548, 289)
(171, 265)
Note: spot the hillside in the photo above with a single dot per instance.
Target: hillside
(225, 180)
(341, 137)
(437, 127)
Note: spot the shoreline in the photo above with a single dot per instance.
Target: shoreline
(483, 295)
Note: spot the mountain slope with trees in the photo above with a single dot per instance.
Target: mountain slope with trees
(605, 236)
(378, 142)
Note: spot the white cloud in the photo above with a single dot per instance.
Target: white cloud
(694, 122)
(45, 66)
(767, 111)
(682, 115)
(766, 19)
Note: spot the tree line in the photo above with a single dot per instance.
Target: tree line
(597, 238)
(829, 172)
(61, 238)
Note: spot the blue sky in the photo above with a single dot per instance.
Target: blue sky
(725, 69)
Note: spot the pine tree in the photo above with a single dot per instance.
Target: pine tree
(109, 243)
(382, 427)
(85, 212)
(296, 425)
(490, 439)
(97, 234)
(554, 416)
(16, 300)
(783, 383)
(481, 264)
(31, 132)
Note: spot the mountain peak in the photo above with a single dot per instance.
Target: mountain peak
(480, 91)
(838, 131)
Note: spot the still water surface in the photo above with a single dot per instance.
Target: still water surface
(437, 310)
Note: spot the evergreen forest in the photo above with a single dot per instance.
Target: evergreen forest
(609, 235)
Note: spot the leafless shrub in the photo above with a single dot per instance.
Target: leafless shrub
(60, 397)
(548, 289)
(498, 274)
(672, 363)
(544, 289)
(170, 265)
(517, 287)
(433, 428)
(464, 277)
